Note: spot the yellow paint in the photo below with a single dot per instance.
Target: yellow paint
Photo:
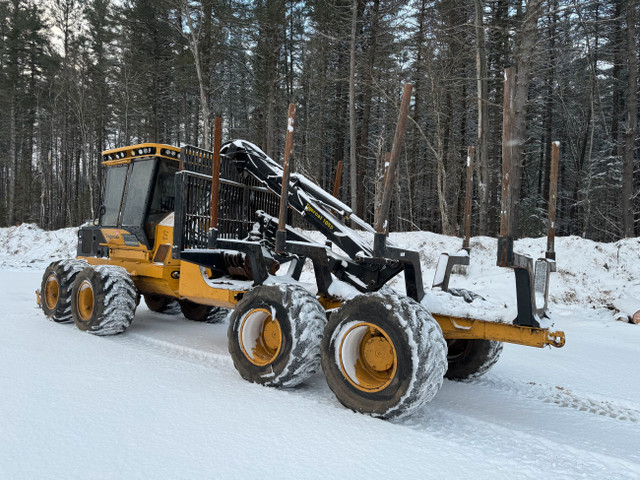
(85, 301)
(131, 253)
(330, 303)
(130, 154)
(164, 236)
(148, 277)
(263, 335)
(193, 287)
(376, 357)
(156, 278)
(468, 328)
(114, 239)
(320, 217)
(51, 292)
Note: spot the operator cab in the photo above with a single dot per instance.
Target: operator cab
(138, 189)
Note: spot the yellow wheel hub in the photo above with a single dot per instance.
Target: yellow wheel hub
(85, 301)
(51, 292)
(368, 358)
(260, 337)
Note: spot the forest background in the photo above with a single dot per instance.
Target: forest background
(81, 76)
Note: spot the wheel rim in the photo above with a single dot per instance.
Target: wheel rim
(51, 292)
(260, 337)
(368, 358)
(85, 301)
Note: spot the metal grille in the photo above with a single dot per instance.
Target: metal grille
(192, 209)
(239, 202)
(241, 195)
(196, 160)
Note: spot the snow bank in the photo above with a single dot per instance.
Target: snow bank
(589, 273)
(29, 246)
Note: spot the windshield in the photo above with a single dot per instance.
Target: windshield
(114, 187)
(135, 202)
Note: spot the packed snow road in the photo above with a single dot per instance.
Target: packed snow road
(164, 401)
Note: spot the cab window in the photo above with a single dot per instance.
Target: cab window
(114, 187)
(137, 194)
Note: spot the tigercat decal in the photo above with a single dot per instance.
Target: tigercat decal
(319, 216)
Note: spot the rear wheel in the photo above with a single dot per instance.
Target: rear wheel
(103, 300)
(383, 354)
(274, 335)
(202, 313)
(56, 286)
(162, 304)
(470, 359)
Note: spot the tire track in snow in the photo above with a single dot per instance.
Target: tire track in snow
(545, 393)
(562, 397)
(548, 394)
(563, 459)
(181, 352)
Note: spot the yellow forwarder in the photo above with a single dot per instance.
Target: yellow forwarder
(163, 235)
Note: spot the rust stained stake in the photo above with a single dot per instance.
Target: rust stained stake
(466, 243)
(553, 200)
(505, 241)
(382, 215)
(215, 179)
(338, 179)
(508, 150)
(284, 193)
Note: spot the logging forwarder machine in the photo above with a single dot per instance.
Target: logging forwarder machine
(162, 234)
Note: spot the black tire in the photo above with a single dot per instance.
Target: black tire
(469, 359)
(162, 304)
(393, 328)
(280, 353)
(103, 300)
(202, 313)
(56, 286)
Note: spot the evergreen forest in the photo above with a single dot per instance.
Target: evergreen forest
(81, 76)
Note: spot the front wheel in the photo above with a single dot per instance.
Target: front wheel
(56, 286)
(103, 300)
(274, 335)
(383, 354)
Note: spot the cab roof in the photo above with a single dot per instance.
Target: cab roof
(122, 155)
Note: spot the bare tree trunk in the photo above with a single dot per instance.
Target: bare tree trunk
(13, 158)
(632, 120)
(194, 46)
(524, 60)
(363, 147)
(483, 120)
(353, 166)
(271, 119)
(509, 153)
(617, 63)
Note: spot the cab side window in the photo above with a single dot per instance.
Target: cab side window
(112, 195)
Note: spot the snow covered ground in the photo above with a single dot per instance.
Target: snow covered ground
(164, 401)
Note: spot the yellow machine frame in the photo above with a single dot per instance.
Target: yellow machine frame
(156, 272)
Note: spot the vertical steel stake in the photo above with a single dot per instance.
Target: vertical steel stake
(466, 243)
(338, 179)
(281, 234)
(553, 200)
(505, 240)
(382, 213)
(215, 179)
